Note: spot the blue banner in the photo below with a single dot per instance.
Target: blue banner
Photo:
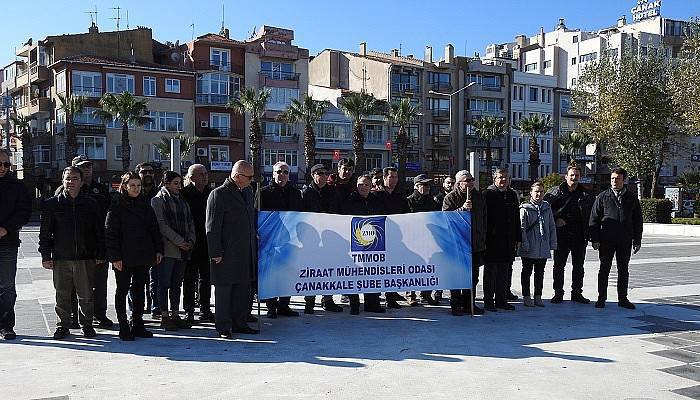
(308, 253)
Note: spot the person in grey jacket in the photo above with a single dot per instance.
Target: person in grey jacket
(177, 227)
(539, 233)
(231, 239)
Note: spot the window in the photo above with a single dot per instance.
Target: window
(588, 57)
(488, 105)
(439, 80)
(575, 39)
(172, 85)
(373, 160)
(549, 96)
(404, 82)
(217, 120)
(547, 64)
(61, 82)
(93, 147)
(279, 129)
(220, 58)
(277, 70)
(87, 117)
(573, 81)
(533, 94)
(165, 121)
(88, 84)
(271, 156)
(156, 155)
(530, 67)
(643, 51)
(218, 153)
(373, 134)
(543, 97)
(438, 130)
(42, 153)
(491, 81)
(60, 119)
(281, 98)
(439, 107)
(613, 52)
(120, 83)
(114, 124)
(474, 78)
(333, 132)
(118, 152)
(149, 86)
(573, 60)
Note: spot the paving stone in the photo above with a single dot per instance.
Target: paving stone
(669, 341)
(694, 336)
(695, 349)
(679, 355)
(684, 371)
(692, 392)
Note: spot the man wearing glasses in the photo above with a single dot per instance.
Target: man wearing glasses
(280, 195)
(15, 210)
(319, 198)
(231, 240)
(465, 197)
(149, 189)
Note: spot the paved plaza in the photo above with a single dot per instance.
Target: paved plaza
(565, 351)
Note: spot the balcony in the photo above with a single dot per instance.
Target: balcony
(40, 104)
(281, 138)
(38, 72)
(8, 85)
(37, 132)
(87, 91)
(405, 88)
(220, 65)
(89, 129)
(440, 113)
(487, 113)
(442, 140)
(214, 131)
(441, 87)
(22, 77)
(494, 87)
(279, 79)
(214, 99)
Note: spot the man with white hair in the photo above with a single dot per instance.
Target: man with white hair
(195, 193)
(231, 241)
(280, 195)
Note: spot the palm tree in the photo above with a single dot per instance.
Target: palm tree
(489, 129)
(71, 105)
(572, 144)
(21, 124)
(186, 145)
(309, 111)
(128, 110)
(253, 102)
(403, 114)
(358, 106)
(533, 127)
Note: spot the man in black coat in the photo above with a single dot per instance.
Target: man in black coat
(149, 189)
(318, 197)
(197, 277)
(571, 205)
(447, 186)
(616, 230)
(343, 182)
(363, 202)
(231, 240)
(71, 243)
(503, 236)
(15, 210)
(280, 195)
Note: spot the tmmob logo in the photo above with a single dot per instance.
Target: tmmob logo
(367, 234)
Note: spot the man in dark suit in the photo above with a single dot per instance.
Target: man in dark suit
(230, 227)
(280, 195)
(616, 230)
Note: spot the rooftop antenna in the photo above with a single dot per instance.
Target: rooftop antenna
(192, 25)
(223, 15)
(400, 49)
(118, 17)
(127, 19)
(93, 16)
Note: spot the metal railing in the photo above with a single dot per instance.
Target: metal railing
(220, 65)
(87, 91)
(280, 76)
(214, 98)
(405, 87)
(440, 112)
(442, 139)
(441, 86)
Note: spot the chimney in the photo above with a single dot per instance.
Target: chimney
(224, 32)
(93, 28)
(449, 53)
(521, 40)
(428, 54)
(395, 52)
(622, 21)
(561, 24)
(363, 48)
(540, 37)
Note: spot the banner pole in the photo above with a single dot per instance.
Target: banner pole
(258, 202)
(471, 298)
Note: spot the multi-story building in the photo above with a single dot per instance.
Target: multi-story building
(273, 62)
(220, 66)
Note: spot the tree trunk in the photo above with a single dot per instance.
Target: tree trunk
(534, 161)
(657, 170)
(255, 145)
(126, 149)
(309, 150)
(71, 148)
(489, 159)
(27, 153)
(358, 147)
(401, 151)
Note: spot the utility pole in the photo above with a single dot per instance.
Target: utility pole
(118, 18)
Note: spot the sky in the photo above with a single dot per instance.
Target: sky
(408, 24)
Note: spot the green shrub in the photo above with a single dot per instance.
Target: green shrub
(551, 181)
(686, 221)
(656, 210)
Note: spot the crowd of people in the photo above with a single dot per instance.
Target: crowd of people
(177, 239)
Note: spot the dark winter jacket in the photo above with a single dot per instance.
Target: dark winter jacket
(357, 205)
(198, 207)
(97, 192)
(502, 224)
(394, 202)
(280, 198)
(71, 229)
(573, 207)
(614, 222)
(440, 197)
(319, 200)
(342, 189)
(15, 209)
(132, 235)
(455, 200)
(418, 202)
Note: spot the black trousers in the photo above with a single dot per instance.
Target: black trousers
(99, 293)
(232, 306)
(496, 281)
(371, 300)
(622, 253)
(130, 280)
(569, 242)
(326, 298)
(528, 265)
(278, 303)
(197, 280)
(460, 298)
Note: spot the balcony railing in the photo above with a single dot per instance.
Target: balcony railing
(281, 138)
(441, 86)
(405, 88)
(38, 72)
(280, 76)
(440, 113)
(220, 65)
(87, 91)
(441, 140)
(374, 139)
(214, 99)
(40, 104)
(496, 87)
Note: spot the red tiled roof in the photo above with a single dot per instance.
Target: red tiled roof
(120, 63)
(214, 37)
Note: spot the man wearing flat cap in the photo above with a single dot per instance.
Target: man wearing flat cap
(422, 201)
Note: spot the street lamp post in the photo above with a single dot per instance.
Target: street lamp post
(450, 112)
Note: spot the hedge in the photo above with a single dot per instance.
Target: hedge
(686, 221)
(656, 210)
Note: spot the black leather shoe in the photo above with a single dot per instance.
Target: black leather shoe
(400, 298)
(272, 314)
(558, 298)
(457, 312)
(578, 298)
(600, 303)
(506, 306)
(140, 331)
(378, 309)
(89, 331)
(125, 334)
(225, 335)
(355, 309)
(309, 309)
(246, 330)
(624, 303)
(74, 324)
(207, 316)
(287, 312)
(8, 334)
(392, 304)
(189, 318)
(478, 310)
(251, 318)
(61, 333)
(332, 307)
(429, 301)
(104, 322)
(511, 297)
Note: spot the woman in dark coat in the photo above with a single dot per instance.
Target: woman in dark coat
(133, 243)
